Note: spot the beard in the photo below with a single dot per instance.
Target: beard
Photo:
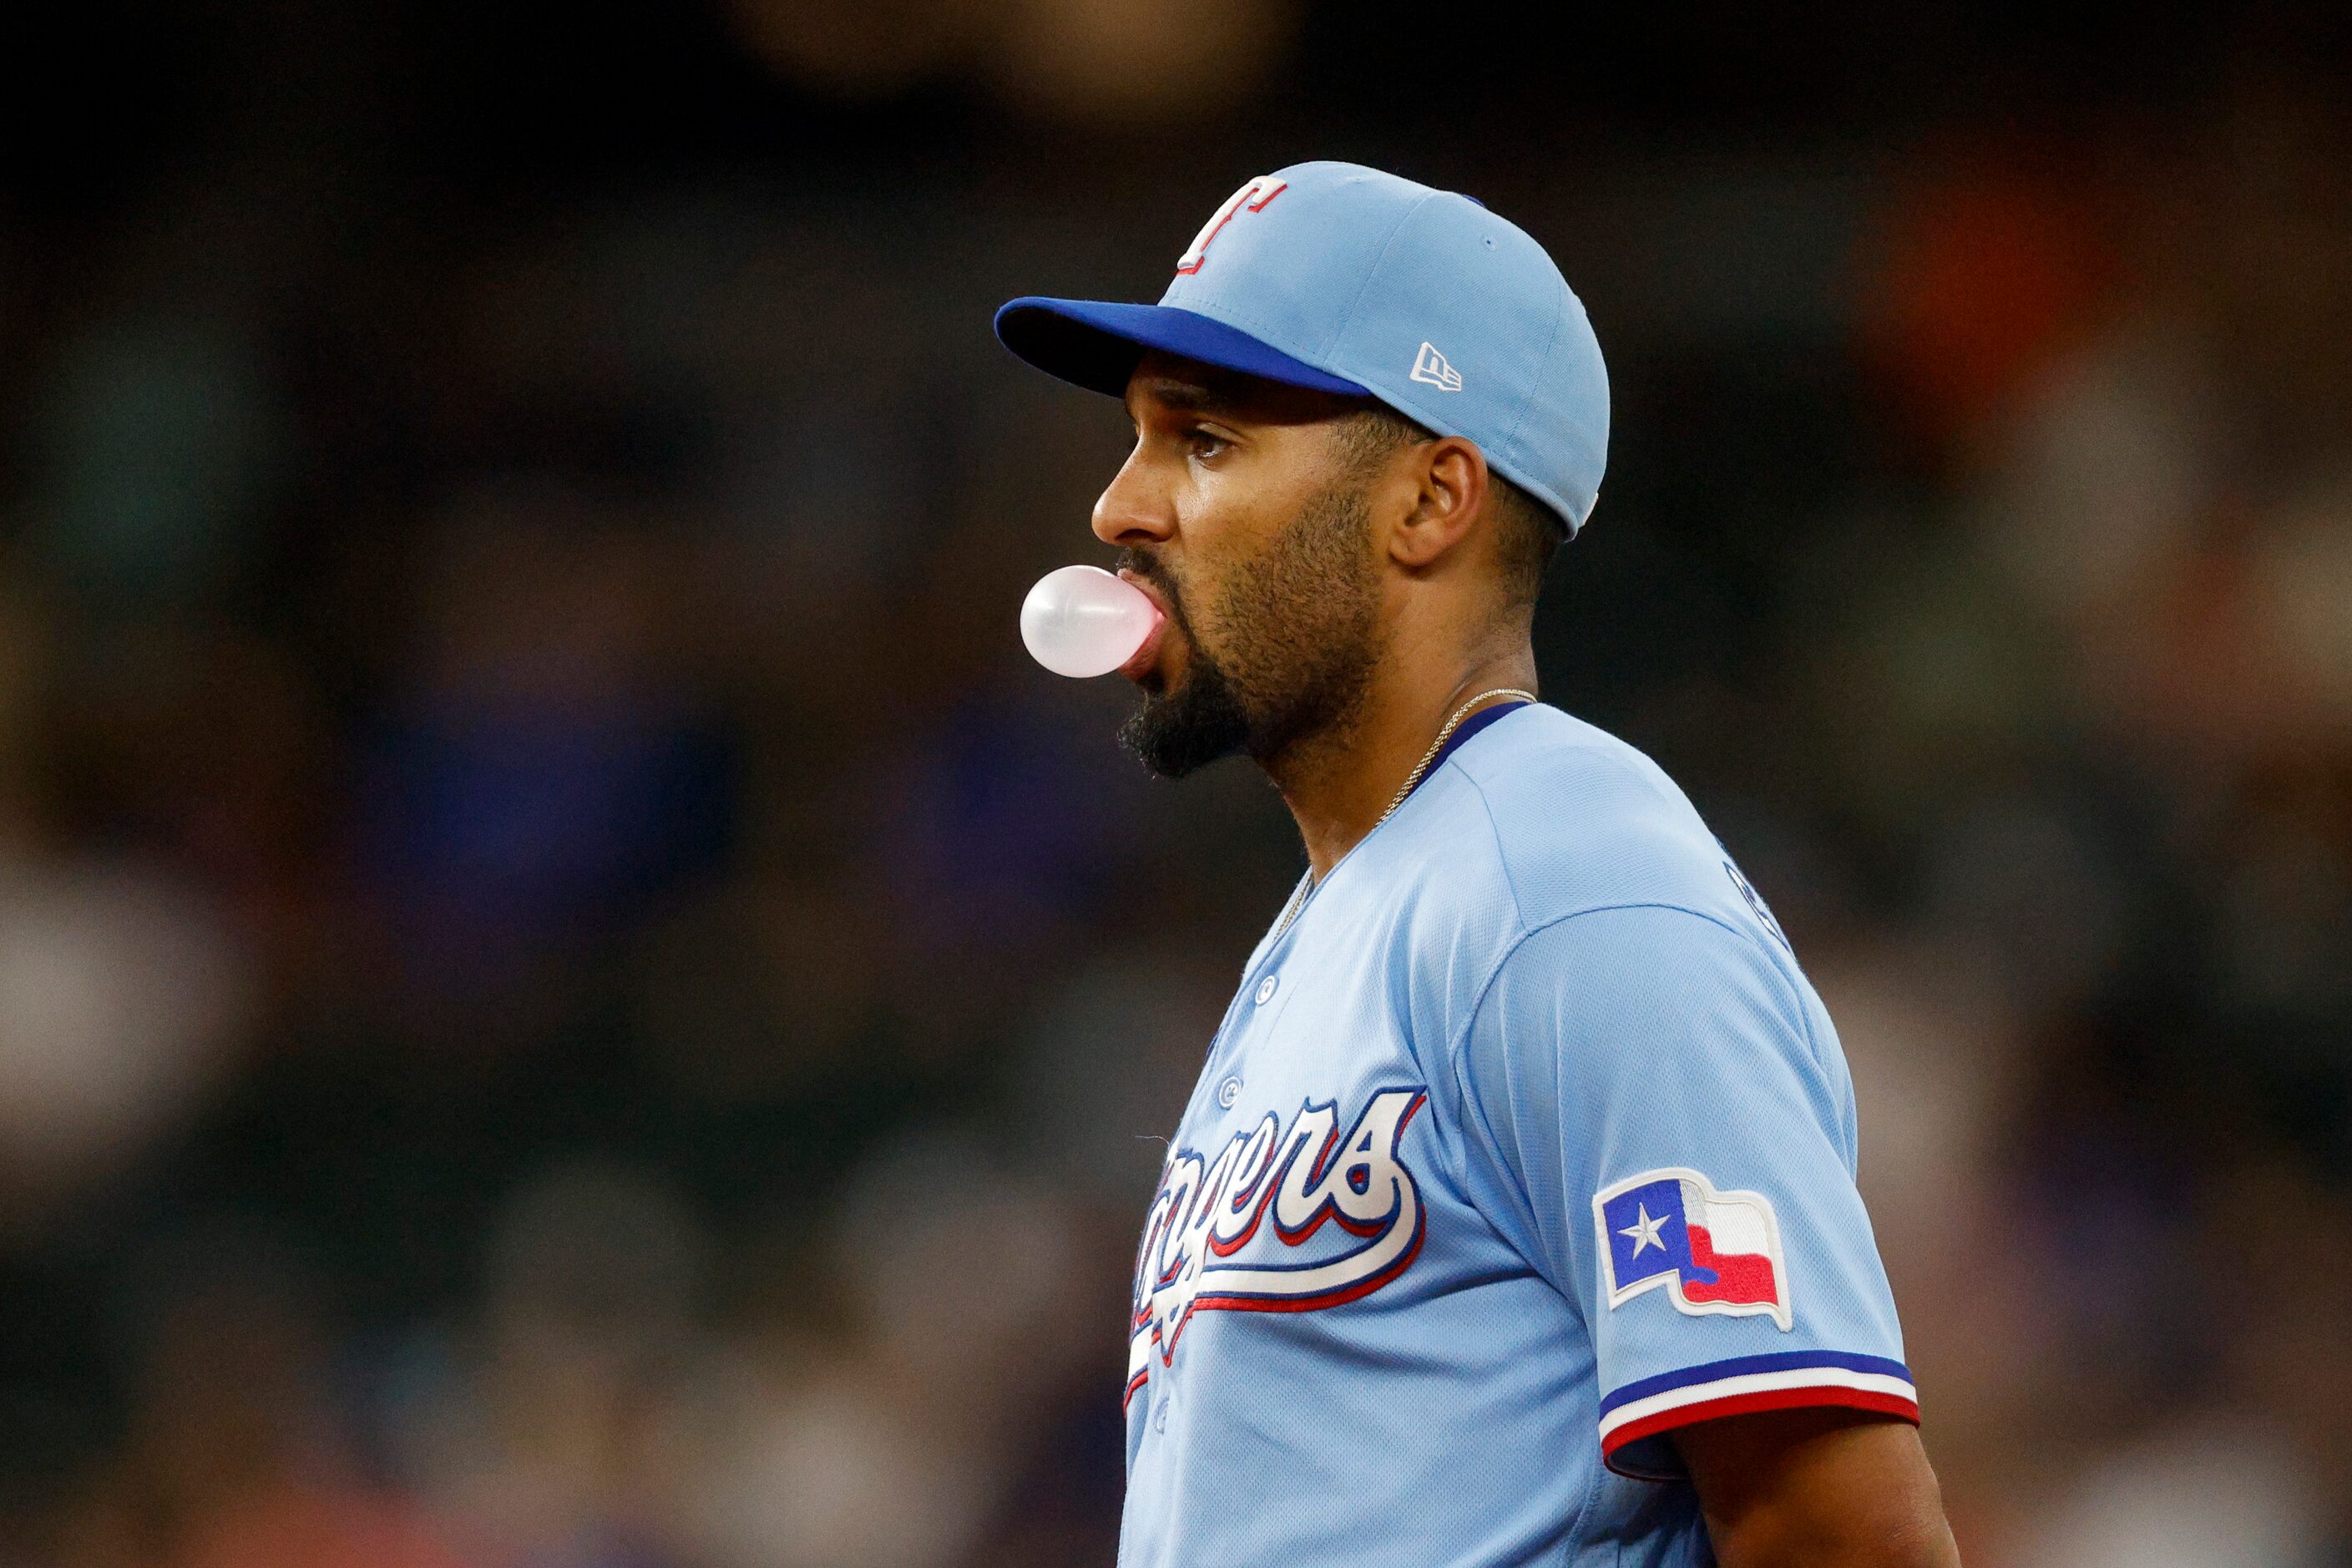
(1297, 639)
(1182, 731)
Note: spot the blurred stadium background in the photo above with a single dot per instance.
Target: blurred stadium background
(568, 998)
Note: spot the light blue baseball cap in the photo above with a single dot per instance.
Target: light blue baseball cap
(1349, 280)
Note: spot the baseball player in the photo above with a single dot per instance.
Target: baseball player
(1513, 1218)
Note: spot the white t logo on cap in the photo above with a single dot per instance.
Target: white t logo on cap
(1256, 194)
(1433, 367)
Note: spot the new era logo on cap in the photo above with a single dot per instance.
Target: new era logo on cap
(1430, 366)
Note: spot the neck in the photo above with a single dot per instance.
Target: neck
(1338, 783)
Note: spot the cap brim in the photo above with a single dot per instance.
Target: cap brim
(1095, 344)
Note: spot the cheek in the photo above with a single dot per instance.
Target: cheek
(1230, 537)
(1192, 574)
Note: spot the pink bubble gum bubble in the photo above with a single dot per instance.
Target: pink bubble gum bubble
(1081, 621)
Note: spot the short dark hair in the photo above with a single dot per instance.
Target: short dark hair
(1527, 531)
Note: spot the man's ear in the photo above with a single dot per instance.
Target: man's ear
(1450, 474)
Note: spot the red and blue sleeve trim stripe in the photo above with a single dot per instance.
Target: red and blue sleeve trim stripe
(1790, 1380)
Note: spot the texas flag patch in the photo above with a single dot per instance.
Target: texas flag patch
(1712, 1252)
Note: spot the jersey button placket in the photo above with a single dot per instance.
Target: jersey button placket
(1253, 1018)
(1256, 1011)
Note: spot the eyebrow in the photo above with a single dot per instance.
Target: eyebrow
(1189, 395)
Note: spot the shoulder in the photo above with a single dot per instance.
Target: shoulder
(1581, 821)
(1633, 920)
(1539, 840)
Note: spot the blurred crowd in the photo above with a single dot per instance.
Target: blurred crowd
(569, 999)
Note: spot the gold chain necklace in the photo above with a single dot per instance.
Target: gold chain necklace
(1290, 911)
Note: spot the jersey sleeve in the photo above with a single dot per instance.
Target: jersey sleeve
(1656, 1104)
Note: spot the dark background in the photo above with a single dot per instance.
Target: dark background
(569, 997)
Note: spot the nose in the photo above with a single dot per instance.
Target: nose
(1132, 510)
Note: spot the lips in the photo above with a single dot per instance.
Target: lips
(1147, 657)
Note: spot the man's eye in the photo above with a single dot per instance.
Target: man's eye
(1205, 443)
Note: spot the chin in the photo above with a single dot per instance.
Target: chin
(1184, 727)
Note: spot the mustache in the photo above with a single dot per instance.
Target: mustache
(1152, 568)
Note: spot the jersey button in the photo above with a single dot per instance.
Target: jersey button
(1265, 991)
(1228, 1092)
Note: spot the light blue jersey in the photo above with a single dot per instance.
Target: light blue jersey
(1524, 1143)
